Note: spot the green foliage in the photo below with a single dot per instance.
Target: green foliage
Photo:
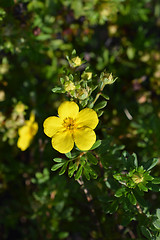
(78, 164)
(103, 55)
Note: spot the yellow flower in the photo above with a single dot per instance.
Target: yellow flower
(71, 126)
(20, 107)
(87, 75)
(27, 132)
(75, 62)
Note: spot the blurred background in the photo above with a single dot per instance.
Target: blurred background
(121, 36)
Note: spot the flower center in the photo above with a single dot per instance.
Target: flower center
(69, 124)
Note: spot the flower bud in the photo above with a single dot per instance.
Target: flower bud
(86, 75)
(82, 93)
(69, 86)
(20, 107)
(75, 62)
(107, 78)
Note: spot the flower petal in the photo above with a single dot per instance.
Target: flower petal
(24, 130)
(63, 142)
(32, 117)
(34, 128)
(84, 138)
(87, 118)
(52, 125)
(68, 109)
(24, 142)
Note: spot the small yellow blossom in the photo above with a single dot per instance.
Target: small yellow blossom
(112, 29)
(20, 107)
(27, 132)
(87, 75)
(75, 62)
(71, 126)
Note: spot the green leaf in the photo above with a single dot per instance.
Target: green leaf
(126, 219)
(92, 159)
(58, 160)
(71, 165)
(147, 177)
(71, 77)
(63, 169)
(142, 187)
(100, 105)
(86, 173)
(96, 144)
(63, 235)
(119, 192)
(145, 231)
(78, 173)
(73, 52)
(117, 176)
(45, 172)
(150, 164)
(153, 187)
(92, 173)
(158, 237)
(138, 195)
(130, 52)
(156, 180)
(105, 144)
(99, 113)
(135, 161)
(156, 224)
(39, 175)
(112, 207)
(62, 80)
(57, 166)
(158, 213)
(130, 160)
(132, 198)
(43, 37)
(71, 172)
(72, 168)
(68, 155)
(105, 96)
(57, 90)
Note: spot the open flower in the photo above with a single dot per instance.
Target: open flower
(71, 126)
(27, 132)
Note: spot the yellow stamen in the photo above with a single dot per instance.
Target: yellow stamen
(69, 124)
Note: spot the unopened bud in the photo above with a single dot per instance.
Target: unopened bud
(82, 93)
(87, 75)
(69, 86)
(20, 107)
(107, 78)
(75, 62)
